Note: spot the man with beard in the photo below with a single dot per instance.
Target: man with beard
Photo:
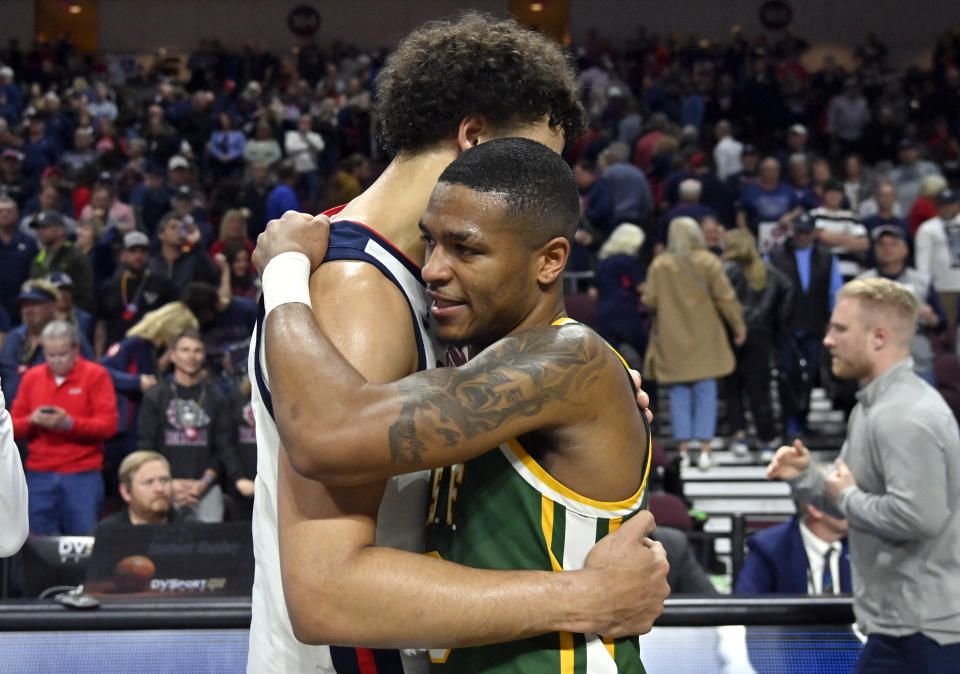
(147, 489)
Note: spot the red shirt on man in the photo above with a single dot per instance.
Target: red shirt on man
(87, 395)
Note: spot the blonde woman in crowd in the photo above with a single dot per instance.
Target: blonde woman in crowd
(766, 296)
(692, 303)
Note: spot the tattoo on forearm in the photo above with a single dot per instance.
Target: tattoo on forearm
(514, 377)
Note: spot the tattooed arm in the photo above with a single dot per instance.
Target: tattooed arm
(353, 431)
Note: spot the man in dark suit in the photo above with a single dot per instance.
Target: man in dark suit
(806, 555)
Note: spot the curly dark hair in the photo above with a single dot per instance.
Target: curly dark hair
(446, 70)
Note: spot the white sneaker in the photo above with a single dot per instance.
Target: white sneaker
(766, 456)
(684, 460)
(705, 461)
(739, 448)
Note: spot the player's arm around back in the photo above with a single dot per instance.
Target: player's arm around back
(341, 588)
(357, 431)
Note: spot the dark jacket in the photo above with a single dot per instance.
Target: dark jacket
(207, 439)
(767, 311)
(812, 307)
(76, 264)
(777, 562)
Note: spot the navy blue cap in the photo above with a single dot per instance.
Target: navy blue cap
(948, 196)
(37, 294)
(804, 223)
(47, 219)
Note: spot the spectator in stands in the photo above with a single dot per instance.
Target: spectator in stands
(106, 209)
(255, 193)
(767, 207)
(13, 182)
(691, 301)
(181, 260)
(629, 189)
(183, 204)
(151, 199)
(596, 212)
(727, 152)
(39, 150)
(226, 323)
(937, 251)
(891, 250)
(925, 206)
(841, 230)
(225, 149)
(895, 482)
(766, 295)
(64, 410)
(59, 254)
(17, 251)
(162, 139)
(737, 182)
(282, 197)
(135, 362)
(847, 115)
(808, 554)
(883, 210)
(65, 310)
(858, 183)
(233, 229)
(815, 276)
(22, 347)
(645, 150)
(798, 179)
(263, 148)
(303, 146)
(130, 293)
(908, 175)
(188, 421)
(147, 489)
(616, 289)
(237, 276)
(351, 178)
(97, 245)
(688, 205)
(14, 508)
(178, 172)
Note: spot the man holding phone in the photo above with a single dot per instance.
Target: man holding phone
(65, 409)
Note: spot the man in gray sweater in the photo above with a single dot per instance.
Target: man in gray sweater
(897, 482)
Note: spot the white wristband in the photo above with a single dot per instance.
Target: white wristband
(286, 279)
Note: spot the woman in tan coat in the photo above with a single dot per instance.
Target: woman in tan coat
(691, 298)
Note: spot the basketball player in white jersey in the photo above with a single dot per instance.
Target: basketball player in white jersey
(447, 87)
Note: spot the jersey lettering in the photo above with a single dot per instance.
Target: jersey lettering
(445, 490)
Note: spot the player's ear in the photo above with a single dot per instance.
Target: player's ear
(473, 130)
(125, 493)
(552, 260)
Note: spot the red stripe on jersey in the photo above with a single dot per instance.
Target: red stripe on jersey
(366, 662)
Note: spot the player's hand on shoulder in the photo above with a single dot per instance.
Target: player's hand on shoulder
(632, 576)
(789, 461)
(293, 233)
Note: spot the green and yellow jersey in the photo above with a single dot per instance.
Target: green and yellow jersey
(502, 510)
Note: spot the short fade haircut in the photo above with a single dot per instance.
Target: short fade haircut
(133, 462)
(885, 297)
(535, 183)
(446, 70)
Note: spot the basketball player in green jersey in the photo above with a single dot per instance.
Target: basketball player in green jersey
(572, 449)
